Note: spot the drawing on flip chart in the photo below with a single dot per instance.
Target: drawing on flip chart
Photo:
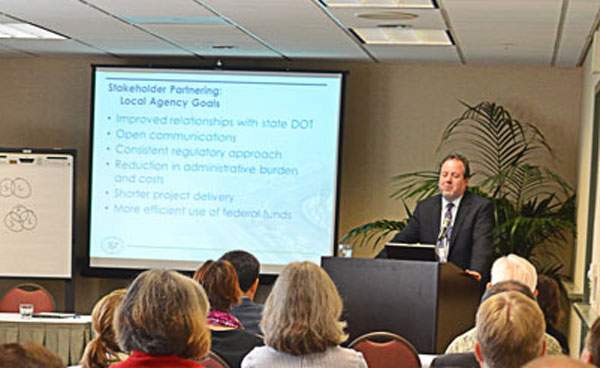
(17, 187)
(20, 218)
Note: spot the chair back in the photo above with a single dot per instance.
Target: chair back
(386, 350)
(31, 293)
(213, 360)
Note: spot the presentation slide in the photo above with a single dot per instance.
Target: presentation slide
(188, 164)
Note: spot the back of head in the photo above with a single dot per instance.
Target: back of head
(302, 312)
(556, 361)
(515, 268)
(220, 281)
(246, 266)
(549, 298)
(592, 342)
(164, 313)
(510, 329)
(504, 286)
(103, 348)
(28, 355)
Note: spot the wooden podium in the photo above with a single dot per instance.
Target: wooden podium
(427, 303)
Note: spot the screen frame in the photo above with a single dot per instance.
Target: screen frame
(266, 275)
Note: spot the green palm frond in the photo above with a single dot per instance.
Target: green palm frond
(533, 206)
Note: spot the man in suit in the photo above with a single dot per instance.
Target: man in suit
(247, 269)
(465, 218)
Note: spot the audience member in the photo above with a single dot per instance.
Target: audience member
(247, 269)
(556, 361)
(549, 300)
(507, 268)
(28, 355)
(591, 349)
(229, 340)
(104, 349)
(162, 321)
(301, 322)
(510, 331)
(467, 359)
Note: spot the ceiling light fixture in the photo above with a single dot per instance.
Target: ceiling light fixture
(27, 31)
(387, 15)
(406, 37)
(416, 4)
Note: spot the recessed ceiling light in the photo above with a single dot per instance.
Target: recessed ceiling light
(395, 36)
(420, 4)
(387, 15)
(27, 31)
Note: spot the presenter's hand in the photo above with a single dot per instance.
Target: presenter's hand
(474, 274)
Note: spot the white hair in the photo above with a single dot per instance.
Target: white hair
(514, 268)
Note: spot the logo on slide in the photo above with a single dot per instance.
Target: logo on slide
(17, 187)
(113, 245)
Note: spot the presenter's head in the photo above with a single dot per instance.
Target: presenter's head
(302, 312)
(164, 313)
(454, 176)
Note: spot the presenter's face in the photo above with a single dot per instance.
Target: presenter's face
(452, 181)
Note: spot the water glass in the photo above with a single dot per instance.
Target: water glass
(26, 310)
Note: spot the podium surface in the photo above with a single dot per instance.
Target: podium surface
(425, 302)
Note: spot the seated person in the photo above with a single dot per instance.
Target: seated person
(556, 361)
(591, 349)
(507, 268)
(247, 269)
(549, 300)
(103, 350)
(229, 340)
(162, 321)
(28, 355)
(301, 322)
(510, 331)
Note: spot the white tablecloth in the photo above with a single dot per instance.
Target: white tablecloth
(67, 337)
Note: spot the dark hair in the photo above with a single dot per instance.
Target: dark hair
(504, 286)
(103, 349)
(549, 298)
(246, 266)
(28, 355)
(220, 281)
(459, 157)
(164, 313)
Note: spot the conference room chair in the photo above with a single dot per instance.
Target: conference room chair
(386, 350)
(30, 293)
(213, 360)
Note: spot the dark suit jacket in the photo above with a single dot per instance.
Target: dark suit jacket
(460, 360)
(471, 244)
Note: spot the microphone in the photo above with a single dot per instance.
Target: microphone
(445, 226)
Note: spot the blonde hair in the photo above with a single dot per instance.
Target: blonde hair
(510, 330)
(103, 349)
(164, 313)
(514, 268)
(301, 314)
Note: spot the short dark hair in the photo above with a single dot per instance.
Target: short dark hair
(28, 355)
(220, 281)
(504, 286)
(459, 157)
(246, 266)
(164, 313)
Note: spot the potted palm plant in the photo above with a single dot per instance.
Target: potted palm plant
(534, 207)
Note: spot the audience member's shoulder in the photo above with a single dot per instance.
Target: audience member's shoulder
(552, 345)
(464, 343)
(350, 357)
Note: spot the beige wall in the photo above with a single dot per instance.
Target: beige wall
(394, 117)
